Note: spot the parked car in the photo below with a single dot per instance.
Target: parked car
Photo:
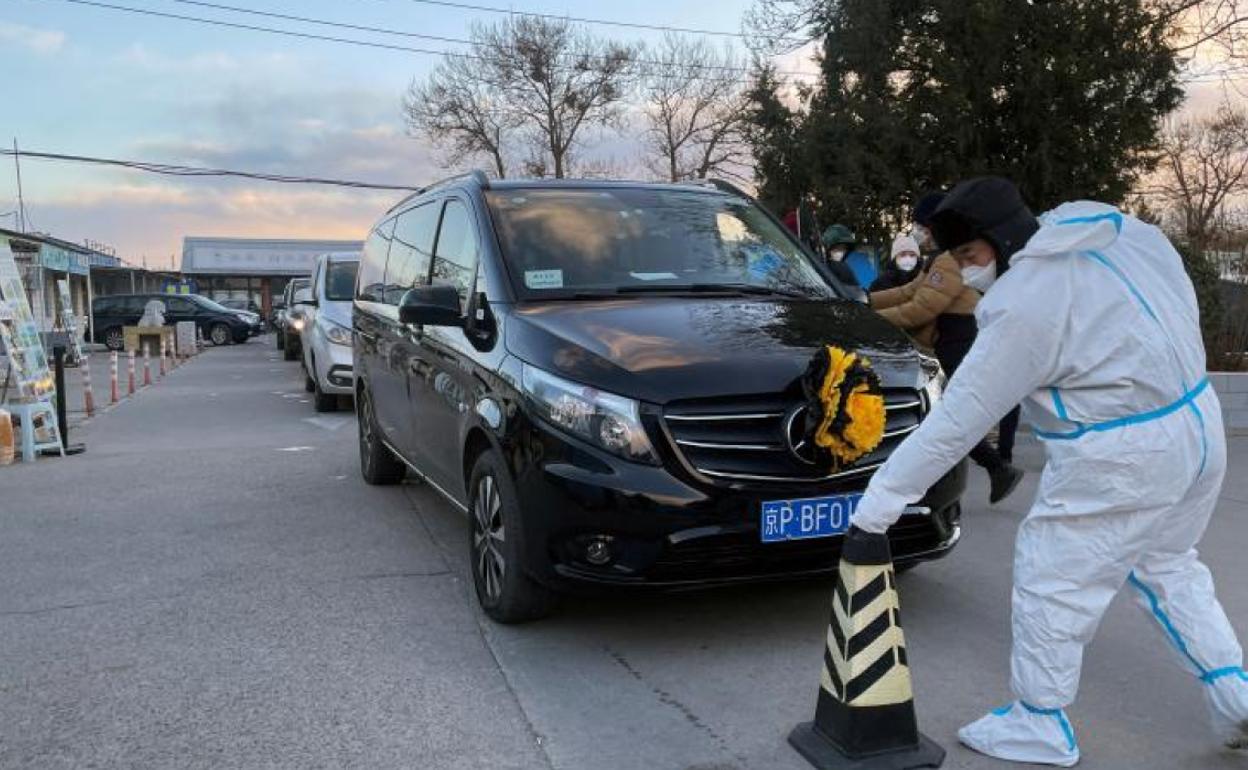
(219, 324)
(289, 326)
(240, 304)
(326, 334)
(607, 378)
(278, 307)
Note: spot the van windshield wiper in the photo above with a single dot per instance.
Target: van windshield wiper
(712, 288)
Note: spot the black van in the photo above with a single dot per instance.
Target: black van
(219, 324)
(606, 377)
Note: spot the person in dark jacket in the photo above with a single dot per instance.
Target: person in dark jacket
(842, 247)
(837, 240)
(937, 310)
(904, 264)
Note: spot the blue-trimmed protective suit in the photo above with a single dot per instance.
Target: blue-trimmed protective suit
(1095, 330)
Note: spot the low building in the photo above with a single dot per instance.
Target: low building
(255, 269)
(43, 261)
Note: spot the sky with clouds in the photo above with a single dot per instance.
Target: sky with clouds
(91, 81)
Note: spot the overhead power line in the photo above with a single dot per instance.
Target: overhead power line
(600, 22)
(441, 39)
(270, 30)
(324, 38)
(201, 171)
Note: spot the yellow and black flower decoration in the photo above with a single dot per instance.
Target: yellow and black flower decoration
(845, 415)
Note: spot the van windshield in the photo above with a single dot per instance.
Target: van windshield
(340, 281)
(561, 242)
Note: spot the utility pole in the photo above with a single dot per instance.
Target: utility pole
(21, 205)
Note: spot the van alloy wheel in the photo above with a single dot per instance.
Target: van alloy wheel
(114, 339)
(488, 537)
(378, 465)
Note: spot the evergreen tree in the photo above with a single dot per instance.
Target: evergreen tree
(1064, 98)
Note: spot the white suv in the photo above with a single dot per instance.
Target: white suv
(327, 329)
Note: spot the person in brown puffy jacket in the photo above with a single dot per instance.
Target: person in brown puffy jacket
(937, 310)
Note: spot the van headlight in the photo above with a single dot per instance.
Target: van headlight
(933, 379)
(605, 420)
(339, 335)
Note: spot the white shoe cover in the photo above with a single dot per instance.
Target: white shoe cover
(1228, 706)
(1022, 733)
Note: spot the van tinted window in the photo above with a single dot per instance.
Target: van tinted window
(456, 261)
(104, 305)
(373, 266)
(410, 252)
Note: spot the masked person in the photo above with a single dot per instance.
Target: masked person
(842, 247)
(837, 240)
(937, 310)
(1091, 322)
(903, 265)
(921, 230)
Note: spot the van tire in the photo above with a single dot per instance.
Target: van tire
(378, 465)
(281, 339)
(290, 352)
(496, 550)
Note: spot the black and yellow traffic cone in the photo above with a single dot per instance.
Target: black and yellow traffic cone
(865, 714)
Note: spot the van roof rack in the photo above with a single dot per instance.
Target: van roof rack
(724, 186)
(477, 175)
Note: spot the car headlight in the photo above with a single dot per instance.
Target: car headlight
(297, 323)
(605, 420)
(339, 335)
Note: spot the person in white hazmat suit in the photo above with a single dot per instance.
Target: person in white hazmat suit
(1090, 321)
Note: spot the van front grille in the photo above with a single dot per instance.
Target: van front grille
(757, 438)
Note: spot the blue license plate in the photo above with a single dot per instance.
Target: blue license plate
(807, 518)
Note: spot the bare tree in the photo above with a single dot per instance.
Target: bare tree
(556, 79)
(1204, 164)
(696, 109)
(460, 112)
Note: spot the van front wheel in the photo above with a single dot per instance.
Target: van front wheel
(504, 588)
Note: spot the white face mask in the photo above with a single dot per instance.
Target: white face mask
(836, 255)
(907, 263)
(980, 277)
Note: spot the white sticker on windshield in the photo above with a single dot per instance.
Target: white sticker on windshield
(543, 279)
(654, 276)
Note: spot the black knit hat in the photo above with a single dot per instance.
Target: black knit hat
(927, 206)
(988, 207)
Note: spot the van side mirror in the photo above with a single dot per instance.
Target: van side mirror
(431, 306)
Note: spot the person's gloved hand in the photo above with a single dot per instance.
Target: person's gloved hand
(872, 516)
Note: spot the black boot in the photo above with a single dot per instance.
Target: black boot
(1004, 479)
